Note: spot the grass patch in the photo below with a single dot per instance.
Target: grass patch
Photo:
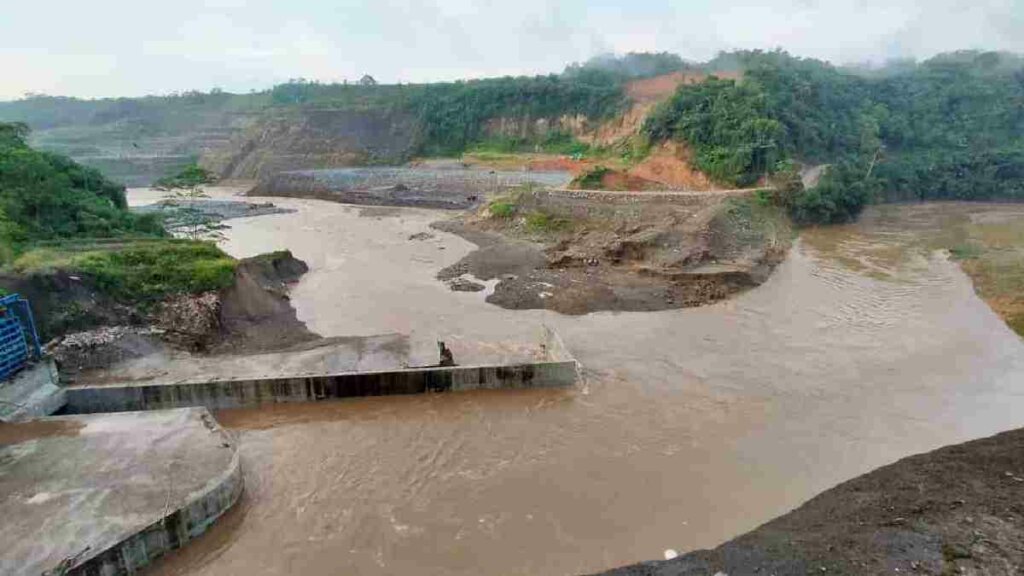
(544, 223)
(137, 271)
(992, 254)
(965, 251)
(752, 222)
(623, 154)
(552, 142)
(502, 209)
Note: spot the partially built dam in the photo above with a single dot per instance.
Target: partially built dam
(134, 471)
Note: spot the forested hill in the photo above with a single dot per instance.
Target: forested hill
(951, 127)
(427, 119)
(48, 197)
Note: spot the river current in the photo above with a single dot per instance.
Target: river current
(692, 426)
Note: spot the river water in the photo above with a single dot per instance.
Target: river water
(693, 426)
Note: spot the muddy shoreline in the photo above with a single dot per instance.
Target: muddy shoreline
(615, 263)
(956, 510)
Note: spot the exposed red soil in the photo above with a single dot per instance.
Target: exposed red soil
(645, 93)
(670, 166)
(659, 88)
(558, 163)
(615, 180)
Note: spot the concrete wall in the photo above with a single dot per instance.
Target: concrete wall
(172, 531)
(246, 393)
(32, 393)
(621, 206)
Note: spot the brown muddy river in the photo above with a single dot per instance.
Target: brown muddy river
(693, 426)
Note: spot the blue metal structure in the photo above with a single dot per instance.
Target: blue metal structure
(19, 340)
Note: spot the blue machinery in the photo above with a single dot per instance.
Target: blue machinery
(19, 340)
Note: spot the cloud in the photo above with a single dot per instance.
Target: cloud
(121, 47)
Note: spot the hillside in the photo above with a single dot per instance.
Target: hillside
(304, 124)
(135, 140)
(951, 127)
(947, 128)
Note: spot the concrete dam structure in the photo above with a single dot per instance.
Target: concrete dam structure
(172, 467)
(219, 395)
(108, 494)
(556, 368)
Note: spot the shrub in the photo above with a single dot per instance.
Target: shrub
(591, 179)
(139, 272)
(839, 197)
(542, 222)
(965, 251)
(502, 209)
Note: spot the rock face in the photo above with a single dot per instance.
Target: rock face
(309, 139)
(952, 511)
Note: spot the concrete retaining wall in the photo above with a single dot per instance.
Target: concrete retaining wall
(246, 393)
(170, 532)
(678, 197)
(32, 393)
(621, 206)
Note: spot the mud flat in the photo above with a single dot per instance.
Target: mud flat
(577, 252)
(108, 494)
(956, 510)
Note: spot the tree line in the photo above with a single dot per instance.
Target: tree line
(46, 196)
(948, 128)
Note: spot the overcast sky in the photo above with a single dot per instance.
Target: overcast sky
(94, 48)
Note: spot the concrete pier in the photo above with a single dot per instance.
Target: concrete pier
(108, 494)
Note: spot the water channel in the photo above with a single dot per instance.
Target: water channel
(693, 425)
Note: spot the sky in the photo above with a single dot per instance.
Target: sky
(99, 48)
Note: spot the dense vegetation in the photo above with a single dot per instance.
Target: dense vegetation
(137, 271)
(45, 196)
(631, 65)
(451, 115)
(949, 128)
(58, 215)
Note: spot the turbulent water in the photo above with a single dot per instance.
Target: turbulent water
(693, 425)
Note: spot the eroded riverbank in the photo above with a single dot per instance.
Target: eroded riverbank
(695, 425)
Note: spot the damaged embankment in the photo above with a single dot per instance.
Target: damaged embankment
(956, 510)
(578, 251)
(245, 309)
